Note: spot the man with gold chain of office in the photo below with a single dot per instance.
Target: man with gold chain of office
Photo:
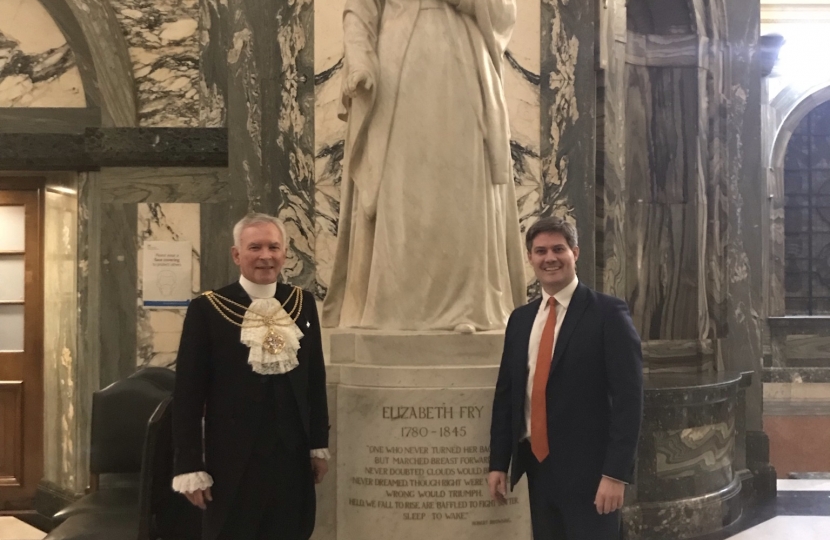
(251, 365)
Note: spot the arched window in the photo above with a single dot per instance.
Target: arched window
(807, 216)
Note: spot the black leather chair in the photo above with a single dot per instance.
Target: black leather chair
(158, 513)
(97, 526)
(163, 377)
(120, 414)
(163, 513)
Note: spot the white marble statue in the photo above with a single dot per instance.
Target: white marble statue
(429, 230)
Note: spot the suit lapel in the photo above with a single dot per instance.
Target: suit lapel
(282, 294)
(576, 308)
(523, 336)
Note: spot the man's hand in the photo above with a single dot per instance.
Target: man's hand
(199, 498)
(320, 467)
(497, 481)
(357, 79)
(609, 495)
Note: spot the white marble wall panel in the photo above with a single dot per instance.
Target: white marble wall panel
(164, 48)
(522, 66)
(158, 330)
(37, 68)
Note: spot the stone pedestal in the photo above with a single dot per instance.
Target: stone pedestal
(412, 421)
(686, 483)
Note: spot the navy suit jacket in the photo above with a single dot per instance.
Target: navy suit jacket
(594, 395)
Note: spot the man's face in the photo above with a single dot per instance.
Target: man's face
(553, 261)
(260, 254)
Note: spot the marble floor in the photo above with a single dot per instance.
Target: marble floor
(14, 529)
(788, 527)
(800, 512)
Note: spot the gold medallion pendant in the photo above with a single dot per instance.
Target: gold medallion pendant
(273, 343)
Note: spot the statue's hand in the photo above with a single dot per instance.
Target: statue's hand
(356, 80)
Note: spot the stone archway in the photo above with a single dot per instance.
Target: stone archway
(788, 109)
(791, 106)
(100, 51)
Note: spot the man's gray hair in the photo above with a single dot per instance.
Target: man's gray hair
(256, 219)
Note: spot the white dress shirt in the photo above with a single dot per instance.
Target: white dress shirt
(563, 299)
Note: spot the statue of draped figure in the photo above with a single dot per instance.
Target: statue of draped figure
(428, 237)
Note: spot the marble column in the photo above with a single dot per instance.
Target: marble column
(747, 257)
(118, 272)
(60, 333)
(113, 69)
(747, 192)
(89, 328)
(270, 118)
(610, 173)
(213, 63)
(674, 266)
(568, 125)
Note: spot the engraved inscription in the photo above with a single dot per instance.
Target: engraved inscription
(433, 469)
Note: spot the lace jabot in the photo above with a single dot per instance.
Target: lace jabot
(273, 346)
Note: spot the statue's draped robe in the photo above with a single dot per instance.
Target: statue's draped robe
(429, 232)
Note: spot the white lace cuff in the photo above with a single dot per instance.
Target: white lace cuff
(321, 453)
(190, 482)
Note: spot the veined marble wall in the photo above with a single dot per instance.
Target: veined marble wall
(664, 202)
(522, 89)
(164, 48)
(549, 82)
(37, 67)
(675, 181)
(127, 207)
(159, 329)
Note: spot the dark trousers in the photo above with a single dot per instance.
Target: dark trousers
(274, 500)
(570, 517)
(270, 503)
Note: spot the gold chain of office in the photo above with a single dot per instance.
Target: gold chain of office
(274, 341)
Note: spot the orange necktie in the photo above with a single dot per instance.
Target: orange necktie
(538, 407)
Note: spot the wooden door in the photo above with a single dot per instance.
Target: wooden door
(21, 347)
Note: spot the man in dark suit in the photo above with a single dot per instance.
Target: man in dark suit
(569, 397)
(250, 365)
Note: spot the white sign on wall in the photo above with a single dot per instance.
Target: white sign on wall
(166, 274)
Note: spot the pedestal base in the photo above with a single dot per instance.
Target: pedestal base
(686, 484)
(413, 422)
